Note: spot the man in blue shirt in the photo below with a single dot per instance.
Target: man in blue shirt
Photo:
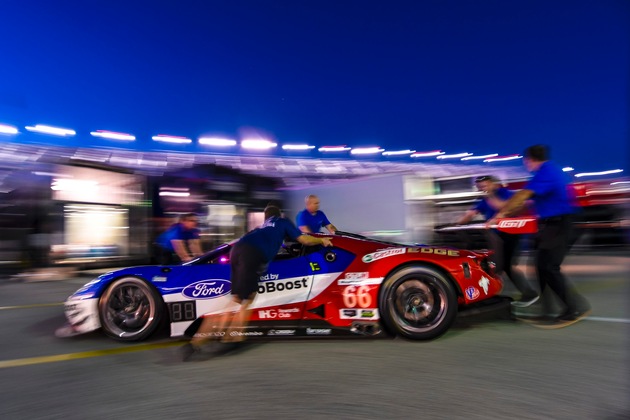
(249, 259)
(505, 245)
(312, 219)
(180, 243)
(548, 190)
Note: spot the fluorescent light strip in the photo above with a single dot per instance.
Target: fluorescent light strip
(503, 158)
(47, 129)
(455, 156)
(171, 139)
(334, 149)
(612, 171)
(258, 144)
(8, 129)
(398, 152)
(480, 157)
(427, 154)
(217, 141)
(297, 147)
(112, 135)
(366, 150)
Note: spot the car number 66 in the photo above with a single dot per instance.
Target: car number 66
(353, 296)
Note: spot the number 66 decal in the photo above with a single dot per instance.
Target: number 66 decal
(353, 296)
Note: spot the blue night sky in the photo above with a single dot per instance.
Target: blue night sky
(461, 76)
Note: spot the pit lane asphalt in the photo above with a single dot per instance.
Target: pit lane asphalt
(481, 369)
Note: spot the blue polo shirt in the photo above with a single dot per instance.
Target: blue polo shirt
(314, 222)
(484, 208)
(550, 187)
(269, 237)
(177, 232)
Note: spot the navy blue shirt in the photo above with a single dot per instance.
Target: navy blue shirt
(177, 232)
(269, 237)
(314, 222)
(550, 187)
(484, 208)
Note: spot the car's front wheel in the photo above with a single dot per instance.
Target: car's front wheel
(130, 309)
(418, 302)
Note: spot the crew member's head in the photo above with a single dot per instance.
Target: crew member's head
(271, 211)
(487, 183)
(311, 203)
(534, 156)
(189, 220)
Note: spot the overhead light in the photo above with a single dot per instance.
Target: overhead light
(455, 156)
(325, 149)
(480, 157)
(366, 150)
(398, 152)
(297, 147)
(612, 171)
(174, 194)
(171, 139)
(112, 135)
(47, 129)
(503, 158)
(258, 144)
(427, 154)
(217, 141)
(8, 129)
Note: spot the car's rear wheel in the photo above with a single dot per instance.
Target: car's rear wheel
(418, 302)
(130, 309)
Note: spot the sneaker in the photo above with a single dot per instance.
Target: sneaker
(525, 302)
(573, 316)
(188, 350)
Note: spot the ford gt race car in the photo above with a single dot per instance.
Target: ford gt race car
(358, 287)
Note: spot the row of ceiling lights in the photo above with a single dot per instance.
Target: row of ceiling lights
(263, 144)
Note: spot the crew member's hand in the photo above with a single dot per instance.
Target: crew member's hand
(327, 241)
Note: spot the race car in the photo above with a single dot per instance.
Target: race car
(359, 287)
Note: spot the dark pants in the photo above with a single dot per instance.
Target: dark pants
(165, 256)
(506, 247)
(551, 247)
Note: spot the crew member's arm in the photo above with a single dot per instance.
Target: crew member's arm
(511, 206)
(195, 247)
(305, 229)
(180, 250)
(467, 217)
(331, 228)
(309, 240)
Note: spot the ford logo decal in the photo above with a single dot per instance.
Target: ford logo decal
(207, 289)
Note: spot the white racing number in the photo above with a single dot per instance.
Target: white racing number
(357, 296)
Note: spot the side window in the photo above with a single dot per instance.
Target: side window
(289, 250)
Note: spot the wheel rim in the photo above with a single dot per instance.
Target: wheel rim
(418, 304)
(129, 309)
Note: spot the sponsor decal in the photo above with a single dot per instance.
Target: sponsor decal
(368, 313)
(368, 258)
(158, 278)
(314, 266)
(281, 332)
(207, 289)
(512, 223)
(353, 278)
(269, 276)
(472, 293)
(349, 313)
(246, 333)
(279, 286)
(435, 251)
(318, 331)
(277, 313)
(484, 283)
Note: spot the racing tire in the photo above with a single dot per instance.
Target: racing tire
(418, 303)
(130, 309)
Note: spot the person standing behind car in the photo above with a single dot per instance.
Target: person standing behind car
(505, 245)
(249, 259)
(548, 190)
(179, 243)
(312, 219)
